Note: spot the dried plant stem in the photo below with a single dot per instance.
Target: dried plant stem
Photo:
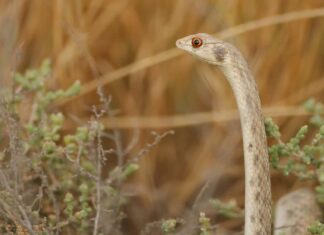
(192, 119)
(172, 53)
(100, 156)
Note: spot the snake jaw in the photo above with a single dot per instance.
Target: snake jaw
(211, 51)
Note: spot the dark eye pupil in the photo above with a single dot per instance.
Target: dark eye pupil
(196, 42)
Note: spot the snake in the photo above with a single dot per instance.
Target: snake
(258, 202)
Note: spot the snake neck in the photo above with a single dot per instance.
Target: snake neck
(256, 161)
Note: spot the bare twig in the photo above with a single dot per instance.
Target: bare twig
(149, 146)
(191, 119)
(100, 156)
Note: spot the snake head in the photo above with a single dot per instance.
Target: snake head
(205, 47)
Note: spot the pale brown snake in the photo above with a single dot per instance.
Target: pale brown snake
(258, 204)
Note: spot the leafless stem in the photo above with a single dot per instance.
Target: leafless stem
(100, 156)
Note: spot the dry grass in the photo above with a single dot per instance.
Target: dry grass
(131, 43)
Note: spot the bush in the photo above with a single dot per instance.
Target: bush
(51, 182)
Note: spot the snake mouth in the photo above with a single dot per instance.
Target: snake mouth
(209, 61)
(180, 44)
(184, 45)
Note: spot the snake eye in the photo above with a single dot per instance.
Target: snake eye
(196, 42)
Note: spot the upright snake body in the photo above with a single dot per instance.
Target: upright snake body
(256, 161)
(294, 211)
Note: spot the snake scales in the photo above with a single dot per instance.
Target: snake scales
(258, 212)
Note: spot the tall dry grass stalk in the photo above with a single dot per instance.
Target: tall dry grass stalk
(118, 40)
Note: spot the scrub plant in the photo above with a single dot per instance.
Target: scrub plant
(303, 154)
(51, 181)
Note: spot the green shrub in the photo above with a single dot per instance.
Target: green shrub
(52, 182)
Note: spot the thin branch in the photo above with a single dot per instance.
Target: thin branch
(100, 156)
(192, 119)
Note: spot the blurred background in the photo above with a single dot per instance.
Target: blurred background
(128, 46)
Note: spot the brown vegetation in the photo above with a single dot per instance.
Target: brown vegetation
(89, 40)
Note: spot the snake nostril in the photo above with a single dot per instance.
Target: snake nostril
(179, 43)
